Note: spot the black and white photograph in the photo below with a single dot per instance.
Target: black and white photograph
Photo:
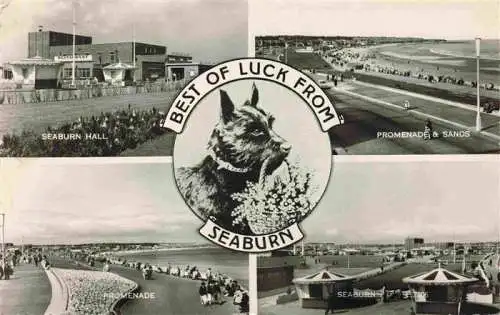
(409, 77)
(243, 163)
(108, 237)
(394, 236)
(90, 78)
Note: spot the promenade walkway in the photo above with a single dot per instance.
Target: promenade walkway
(28, 292)
(460, 115)
(171, 295)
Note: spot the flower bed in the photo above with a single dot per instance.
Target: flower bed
(93, 292)
(274, 204)
(119, 131)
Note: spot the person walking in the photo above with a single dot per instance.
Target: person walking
(210, 292)
(203, 293)
(330, 303)
(1, 268)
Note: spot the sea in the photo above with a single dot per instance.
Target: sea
(457, 58)
(232, 263)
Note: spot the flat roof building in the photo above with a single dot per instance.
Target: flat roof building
(92, 58)
(413, 242)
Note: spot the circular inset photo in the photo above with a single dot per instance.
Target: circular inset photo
(253, 158)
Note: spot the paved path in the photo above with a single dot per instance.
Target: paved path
(173, 296)
(372, 110)
(28, 292)
(462, 114)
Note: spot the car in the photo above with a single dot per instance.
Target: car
(489, 107)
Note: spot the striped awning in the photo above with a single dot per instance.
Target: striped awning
(324, 276)
(439, 276)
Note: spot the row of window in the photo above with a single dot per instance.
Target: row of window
(79, 73)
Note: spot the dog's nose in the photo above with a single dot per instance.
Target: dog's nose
(285, 147)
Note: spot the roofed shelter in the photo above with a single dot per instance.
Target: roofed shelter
(313, 290)
(36, 73)
(118, 74)
(438, 291)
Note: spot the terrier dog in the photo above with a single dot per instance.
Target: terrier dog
(242, 148)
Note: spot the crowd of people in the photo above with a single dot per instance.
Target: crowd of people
(7, 266)
(13, 259)
(213, 288)
(366, 61)
(112, 133)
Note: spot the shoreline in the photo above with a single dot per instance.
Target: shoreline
(145, 251)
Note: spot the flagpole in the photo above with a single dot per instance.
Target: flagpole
(74, 35)
(478, 113)
(133, 47)
(133, 41)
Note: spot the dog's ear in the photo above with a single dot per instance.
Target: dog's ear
(227, 106)
(255, 96)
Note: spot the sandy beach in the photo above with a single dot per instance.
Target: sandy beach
(422, 58)
(169, 249)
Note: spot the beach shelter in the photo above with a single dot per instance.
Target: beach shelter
(438, 291)
(36, 73)
(313, 290)
(118, 73)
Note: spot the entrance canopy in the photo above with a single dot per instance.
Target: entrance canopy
(35, 61)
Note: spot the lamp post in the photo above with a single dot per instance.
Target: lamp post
(74, 38)
(478, 112)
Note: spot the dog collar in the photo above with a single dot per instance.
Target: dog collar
(226, 165)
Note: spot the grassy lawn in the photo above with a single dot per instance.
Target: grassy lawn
(38, 116)
(450, 94)
(306, 60)
(355, 261)
(393, 278)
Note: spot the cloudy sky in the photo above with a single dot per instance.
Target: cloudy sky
(211, 30)
(444, 199)
(366, 201)
(448, 19)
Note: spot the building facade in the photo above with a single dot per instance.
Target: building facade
(149, 59)
(181, 71)
(41, 42)
(179, 58)
(413, 242)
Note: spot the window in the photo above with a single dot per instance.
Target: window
(83, 73)
(112, 57)
(25, 73)
(68, 73)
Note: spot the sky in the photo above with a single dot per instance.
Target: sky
(210, 30)
(443, 199)
(367, 201)
(446, 19)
